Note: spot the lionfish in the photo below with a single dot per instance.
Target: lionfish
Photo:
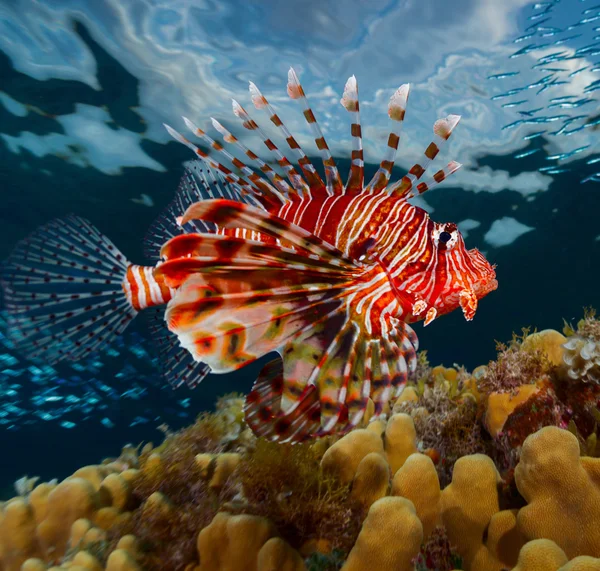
(327, 275)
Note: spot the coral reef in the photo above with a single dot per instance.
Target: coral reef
(484, 471)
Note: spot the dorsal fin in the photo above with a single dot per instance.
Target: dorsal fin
(442, 130)
(243, 186)
(396, 112)
(293, 175)
(198, 182)
(270, 193)
(295, 91)
(308, 169)
(349, 100)
(279, 182)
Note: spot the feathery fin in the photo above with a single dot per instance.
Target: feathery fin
(63, 290)
(197, 183)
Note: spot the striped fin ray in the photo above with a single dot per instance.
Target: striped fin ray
(213, 252)
(295, 91)
(228, 214)
(196, 184)
(293, 175)
(176, 363)
(273, 196)
(243, 186)
(390, 370)
(274, 177)
(308, 169)
(63, 291)
(379, 368)
(439, 177)
(358, 386)
(349, 100)
(319, 356)
(381, 381)
(262, 410)
(396, 112)
(442, 130)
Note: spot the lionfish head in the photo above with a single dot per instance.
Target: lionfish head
(463, 276)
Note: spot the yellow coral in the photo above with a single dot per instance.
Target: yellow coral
(121, 560)
(417, 480)
(119, 490)
(86, 561)
(470, 510)
(545, 555)
(342, 459)
(562, 492)
(503, 543)
(448, 374)
(277, 555)
(409, 394)
(549, 342)
(371, 480)
(390, 537)
(501, 405)
(33, 565)
(18, 540)
(233, 542)
(71, 500)
(541, 555)
(400, 440)
(216, 468)
(582, 563)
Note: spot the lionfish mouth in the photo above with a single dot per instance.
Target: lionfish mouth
(486, 287)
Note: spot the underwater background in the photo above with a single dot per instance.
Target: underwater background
(86, 85)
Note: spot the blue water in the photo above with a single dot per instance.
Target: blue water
(85, 87)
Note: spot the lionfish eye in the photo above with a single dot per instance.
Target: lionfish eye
(445, 236)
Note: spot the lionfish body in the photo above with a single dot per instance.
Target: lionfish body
(328, 275)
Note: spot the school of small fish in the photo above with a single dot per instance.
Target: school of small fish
(566, 61)
(34, 393)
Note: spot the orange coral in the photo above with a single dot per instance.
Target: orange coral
(390, 537)
(562, 491)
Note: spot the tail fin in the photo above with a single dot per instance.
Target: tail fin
(63, 291)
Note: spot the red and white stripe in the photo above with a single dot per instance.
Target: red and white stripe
(143, 290)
